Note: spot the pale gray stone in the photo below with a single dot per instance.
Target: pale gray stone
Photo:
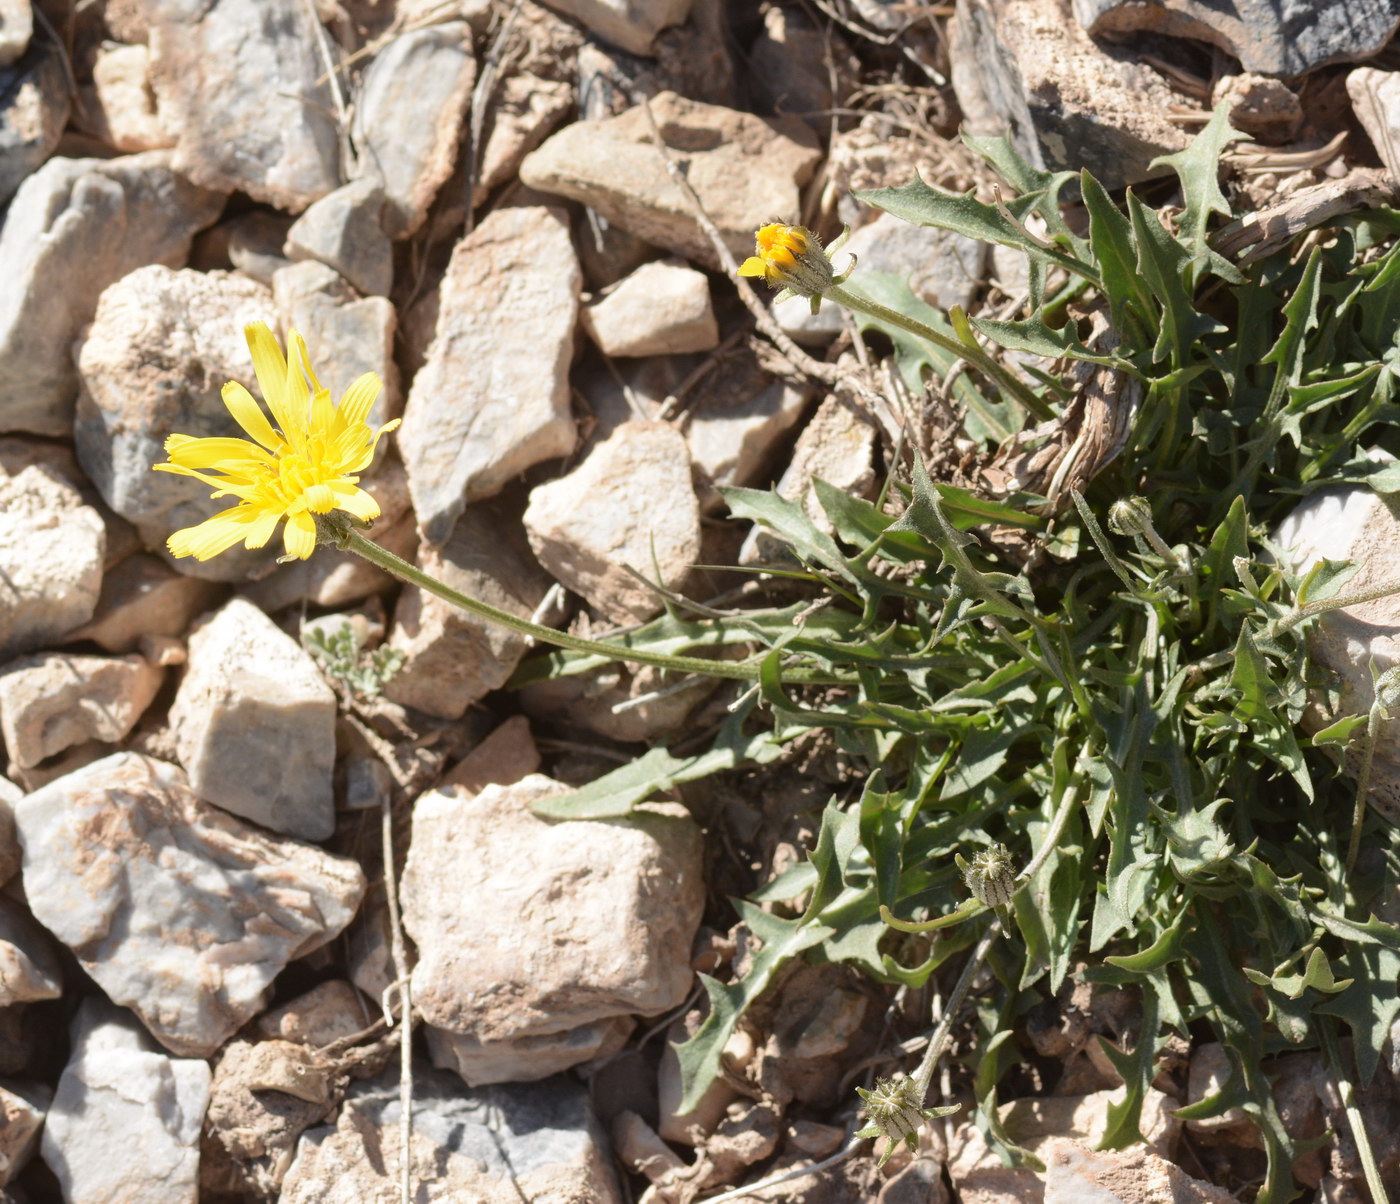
(119, 106)
(10, 854)
(161, 346)
(236, 81)
(125, 1121)
(1026, 66)
(254, 724)
(746, 170)
(175, 908)
(630, 504)
(592, 920)
(53, 701)
(1357, 524)
(1266, 36)
(51, 552)
(630, 24)
(633, 704)
(454, 658)
(351, 335)
(1077, 1174)
(1375, 99)
(34, 104)
(660, 309)
(529, 1058)
(494, 1145)
(16, 28)
(1264, 108)
(343, 231)
(409, 115)
(22, 1110)
(142, 597)
(255, 244)
(29, 968)
(74, 227)
(493, 397)
(941, 268)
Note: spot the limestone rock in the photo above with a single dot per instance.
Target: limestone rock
(22, 1110)
(141, 596)
(496, 1145)
(176, 909)
(236, 80)
(254, 723)
(1264, 108)
(124, 1124)
(630, 24)
(53, 701)
(1026, 66)
(10, 854)
(343, 231)
(493, 397)
(628, 703)
(408, 118)
(16, 27)
(351, 335)
(745, 169)
(660, 309)
(328, 1012)
(455, 659)
(34, 107)
(155, 359)
(253, 244)
(1354, 523)
(941, 267)
(29, 968)
(1375, 98)
(502, 759)
(529, 1058)
(74, 227)
(629, 504)
(51, 552)
(1074, 1173)
(592, 920)
(1266, 37)
(120, 107)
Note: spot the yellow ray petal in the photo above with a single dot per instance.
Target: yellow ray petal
(359, 399)
(217, 451)
(271, 367)
(209, 538)
(299, 536)
(356, 501)
(249, 415)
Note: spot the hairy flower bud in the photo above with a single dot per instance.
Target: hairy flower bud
(790, 257)
(990, 875)
(895, 1109)
(1130, 516)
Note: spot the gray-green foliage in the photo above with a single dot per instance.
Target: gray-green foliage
(1160, 700)
(341, 657)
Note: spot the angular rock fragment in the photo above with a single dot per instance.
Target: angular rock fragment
(16, 27)
(34, 107)
(141, 597)
(124, 1124)
(175, 908)
(454, 658)
(1375, 98)
(1264, 108)
(529, 1058)
(237, 82)
(493, 397)
(630, 24)
(254, 724)
(343, 231)
(51, 552)
(496, 1145)
(1075, 1173)
(1027, 67)
(350, 335)
(29, 968)
(74, 227)
(53, 701)
(408, 118)
(10, 854)
(630, 504)
(502, 759)
(22, 1110)
(328, 1012)
(154, 361)
(120, 107)
(746, 170)
(660, 309)
(592, 922)
(1267, 37)
(629, 703)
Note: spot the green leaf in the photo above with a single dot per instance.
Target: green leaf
(1253, 687)
(1111, 236)
(1370, 1004)
(1198, 169)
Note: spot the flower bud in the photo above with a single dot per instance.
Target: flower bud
(1130, 516)
(790, 257)
(990, 875)
(894, 1108)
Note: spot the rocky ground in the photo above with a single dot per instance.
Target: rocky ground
(197, 948)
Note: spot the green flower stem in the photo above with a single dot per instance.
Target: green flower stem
(938, 1043)
(969, 351)
(349, 539)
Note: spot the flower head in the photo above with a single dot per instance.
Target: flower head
(895, 1109)
(302, 463)
(790, 257)
(990, 875)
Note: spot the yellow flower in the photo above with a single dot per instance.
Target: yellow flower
(790, 257)
(302, 463)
